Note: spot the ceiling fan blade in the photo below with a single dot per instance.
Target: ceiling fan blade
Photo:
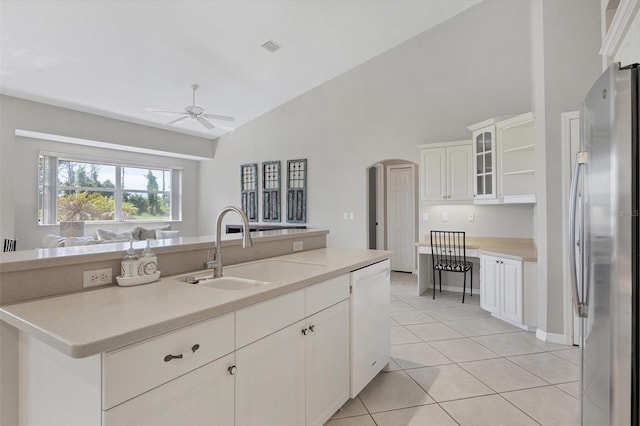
(205, 123)
(161, 111)
(177, 120)
(219, 117)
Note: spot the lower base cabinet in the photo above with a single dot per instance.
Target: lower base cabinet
(204, 396)
(508, 289)
(270, 379)
(327, 362)
(298, 375)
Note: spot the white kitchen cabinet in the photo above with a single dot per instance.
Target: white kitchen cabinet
(484, 160)
(270, 379)
(300, 374)
(501, 288)
(120, 386)
(204, 396)
(327, 362)
(446, 171)
(489, 283)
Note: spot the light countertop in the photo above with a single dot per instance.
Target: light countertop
(63, 256)
(90, 322)
(523, 248)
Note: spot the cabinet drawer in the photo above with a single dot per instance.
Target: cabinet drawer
(132, 370)
(256, 321)
(202, 397)
(326, 293)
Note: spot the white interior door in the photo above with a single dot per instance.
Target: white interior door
(401, 219)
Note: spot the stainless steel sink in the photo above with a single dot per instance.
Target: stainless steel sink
(272, 270)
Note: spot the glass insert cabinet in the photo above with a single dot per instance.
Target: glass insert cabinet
(484, 159)
(484, 153)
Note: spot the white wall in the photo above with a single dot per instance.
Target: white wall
(568, 63)
(428, 89)
(512, 221)
(18, 159)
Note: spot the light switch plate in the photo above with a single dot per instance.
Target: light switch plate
(351, 216)
(346, 215)
(445, 217)
(471, 216)
(425, 217)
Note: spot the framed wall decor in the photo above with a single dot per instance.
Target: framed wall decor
(271, 194)
(297, 191)
(249, 191)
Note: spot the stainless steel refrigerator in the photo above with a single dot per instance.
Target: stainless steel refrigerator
(604, 237)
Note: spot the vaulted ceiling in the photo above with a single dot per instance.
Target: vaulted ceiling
(122, 58)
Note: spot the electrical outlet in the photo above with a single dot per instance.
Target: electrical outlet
(346, 215)
(297, 246)
(351, 216)
(445, 217)
(471, 216)
(425, 217)
(96, 277)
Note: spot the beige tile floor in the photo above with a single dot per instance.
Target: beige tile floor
(453, 364)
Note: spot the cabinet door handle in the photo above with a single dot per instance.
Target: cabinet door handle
(312, 328)
(169, 357)
(304, 331)
(232, 370)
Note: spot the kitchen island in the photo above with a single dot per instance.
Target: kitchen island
(114, 355)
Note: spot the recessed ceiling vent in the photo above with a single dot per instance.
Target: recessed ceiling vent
(271, 46)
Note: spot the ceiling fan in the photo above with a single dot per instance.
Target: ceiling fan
(195, 112)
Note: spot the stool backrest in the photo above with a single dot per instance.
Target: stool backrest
(448, 247)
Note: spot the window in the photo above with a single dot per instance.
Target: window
(72, 189)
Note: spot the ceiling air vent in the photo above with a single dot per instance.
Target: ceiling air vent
(270, 46)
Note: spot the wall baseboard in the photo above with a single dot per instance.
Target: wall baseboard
(560, 339)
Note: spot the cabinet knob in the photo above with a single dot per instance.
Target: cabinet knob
(444, 197)
(312, 328)
(304, 331)
(232, 370)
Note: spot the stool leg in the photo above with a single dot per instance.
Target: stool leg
(471, 286)
(464, 285)
(440, 279)
(434, 283)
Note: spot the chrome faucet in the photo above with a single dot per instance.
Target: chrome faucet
(216, 263)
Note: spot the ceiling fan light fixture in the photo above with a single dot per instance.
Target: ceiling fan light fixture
(271, 46)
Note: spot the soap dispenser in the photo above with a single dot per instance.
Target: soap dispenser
(130, 263)
(149, 262)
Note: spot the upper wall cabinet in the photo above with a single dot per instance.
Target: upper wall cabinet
(504, 160)
(446, 172)
(483, 135)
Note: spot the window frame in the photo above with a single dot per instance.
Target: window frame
(49, 188)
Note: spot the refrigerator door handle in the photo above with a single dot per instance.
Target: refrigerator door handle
(580, 306)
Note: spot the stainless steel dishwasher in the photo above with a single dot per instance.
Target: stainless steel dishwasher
(370, 333)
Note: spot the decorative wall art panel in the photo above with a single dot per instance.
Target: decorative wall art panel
(249, 192)
(297, 191)
(271, 194)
